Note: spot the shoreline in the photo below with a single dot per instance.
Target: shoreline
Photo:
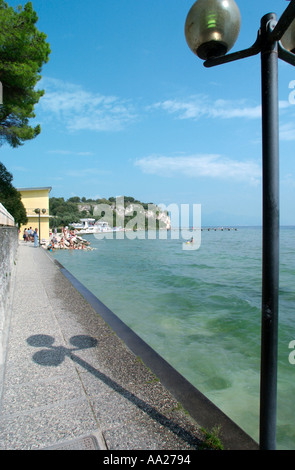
(199, 407)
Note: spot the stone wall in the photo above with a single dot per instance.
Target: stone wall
(8, 247)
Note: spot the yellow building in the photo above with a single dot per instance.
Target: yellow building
(36, 203)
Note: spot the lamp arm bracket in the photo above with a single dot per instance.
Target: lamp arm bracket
(286, 55)
(253, 50)
(284, 22)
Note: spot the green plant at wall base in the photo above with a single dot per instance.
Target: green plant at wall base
(153, 380)
(212, 440)
(179, 407)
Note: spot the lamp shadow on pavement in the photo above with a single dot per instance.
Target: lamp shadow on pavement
(53, 356)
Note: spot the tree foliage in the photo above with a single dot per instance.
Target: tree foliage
(10, 197)
(23, 51)
(64, 212)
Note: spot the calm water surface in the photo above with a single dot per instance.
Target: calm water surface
(200, 310)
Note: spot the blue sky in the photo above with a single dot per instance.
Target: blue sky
(130, 110)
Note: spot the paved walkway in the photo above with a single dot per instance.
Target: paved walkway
(69, 382)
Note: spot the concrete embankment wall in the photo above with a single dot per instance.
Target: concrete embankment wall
(8, 248)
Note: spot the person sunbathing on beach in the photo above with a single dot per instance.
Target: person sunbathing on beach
(50, 246)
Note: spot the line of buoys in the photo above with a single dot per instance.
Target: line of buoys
(222, 229)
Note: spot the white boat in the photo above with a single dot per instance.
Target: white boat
(84, 224)
(87, 230)
(87, 226)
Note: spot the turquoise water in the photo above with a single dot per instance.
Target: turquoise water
(200, 310)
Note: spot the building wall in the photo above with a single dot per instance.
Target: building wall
(32, 199)
(34, 223)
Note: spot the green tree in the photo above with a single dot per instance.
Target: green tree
(66, 208)
(54, 202)
(74, 199)
(5, 179)
(10, 197)
(68, 219)
(23, 51)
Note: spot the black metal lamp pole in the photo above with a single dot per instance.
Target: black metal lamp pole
(270, 237)
(38, 211)
(39, 226)
(269, 46)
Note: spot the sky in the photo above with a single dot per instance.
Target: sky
(130, 110)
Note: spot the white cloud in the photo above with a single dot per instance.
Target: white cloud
(197, 106)
(79, 109)
(287, 131)
(196, 166)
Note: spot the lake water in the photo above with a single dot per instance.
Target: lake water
(201, 311)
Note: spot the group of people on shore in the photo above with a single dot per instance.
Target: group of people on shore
(66, 239)
(30, 235)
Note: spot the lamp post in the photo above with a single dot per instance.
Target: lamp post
(211, 29)
(38, 211)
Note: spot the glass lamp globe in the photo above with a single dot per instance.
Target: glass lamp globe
(288, 39)
(212, 27)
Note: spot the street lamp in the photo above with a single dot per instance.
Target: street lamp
(211, 29)
(288, 39)
(38, 211)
